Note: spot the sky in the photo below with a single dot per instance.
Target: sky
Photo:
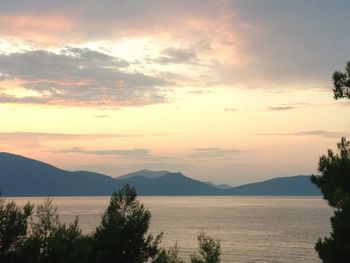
(224, 91)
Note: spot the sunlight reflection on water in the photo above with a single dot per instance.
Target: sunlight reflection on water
(251, 229)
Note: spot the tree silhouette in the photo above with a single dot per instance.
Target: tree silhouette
(13, 228)
(122, 235)
(170, 255)
(341, 81)
(334, 183)
(52, 241)
(209, 250)
(68, 244)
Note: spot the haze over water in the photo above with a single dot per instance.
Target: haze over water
(251, 229)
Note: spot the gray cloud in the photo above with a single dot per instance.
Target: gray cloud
(280, 41)
(78, 77)
(319, 133)
(200, 92)
(177, 55)
(290, 106)
(5, 98)
(113, 152)
(101, 18)
(105, 20)
(206, 149)
(213, 152)
(133, 154)
(55, 136)
(291, 41)
(70, 136)
(281, 108)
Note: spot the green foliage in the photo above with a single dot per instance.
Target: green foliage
(335, 180)
(122, 235)
(334, 183)
(68, 244)
(341, 81)
(51, 241)
(13, 228)
(45, 229)
(209, 250)
(169, 256)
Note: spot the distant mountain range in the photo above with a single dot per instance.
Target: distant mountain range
(21, 176)
(220, 186)
(145, 173)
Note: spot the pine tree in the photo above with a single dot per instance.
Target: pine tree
(334, 183)
(209, 250)
(122, 235)
(13, 228)
(341, 81)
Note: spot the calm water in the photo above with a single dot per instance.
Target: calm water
(251, 229)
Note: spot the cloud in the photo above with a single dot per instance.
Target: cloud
(131, 154)
(54, 136)
(319, 133)
(238, 164)
(102, 116)
(78, 77)
(231, 109)
(290, 106)
(71, 136)
(177, 55)
(213, 152)
(286, 41)
(200, 92)
(113, 152)
(206, 149)
(31, 140)
(99, 19)
(249, 43)
(281, 108)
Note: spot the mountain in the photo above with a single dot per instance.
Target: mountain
(220, 186)
(145, 173)
(170, 184)
(282, 186)
(21, 176)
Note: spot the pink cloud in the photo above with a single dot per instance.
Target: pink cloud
(40, 29)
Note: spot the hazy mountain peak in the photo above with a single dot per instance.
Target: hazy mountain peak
(21, 176)
(145, 173)
(20, 163)
(6, 154)
(220, 186)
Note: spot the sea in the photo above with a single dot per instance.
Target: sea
(250, 229)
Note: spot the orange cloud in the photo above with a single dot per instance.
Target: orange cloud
(40, 29)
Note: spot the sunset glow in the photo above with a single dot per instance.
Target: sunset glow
(224, 91)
